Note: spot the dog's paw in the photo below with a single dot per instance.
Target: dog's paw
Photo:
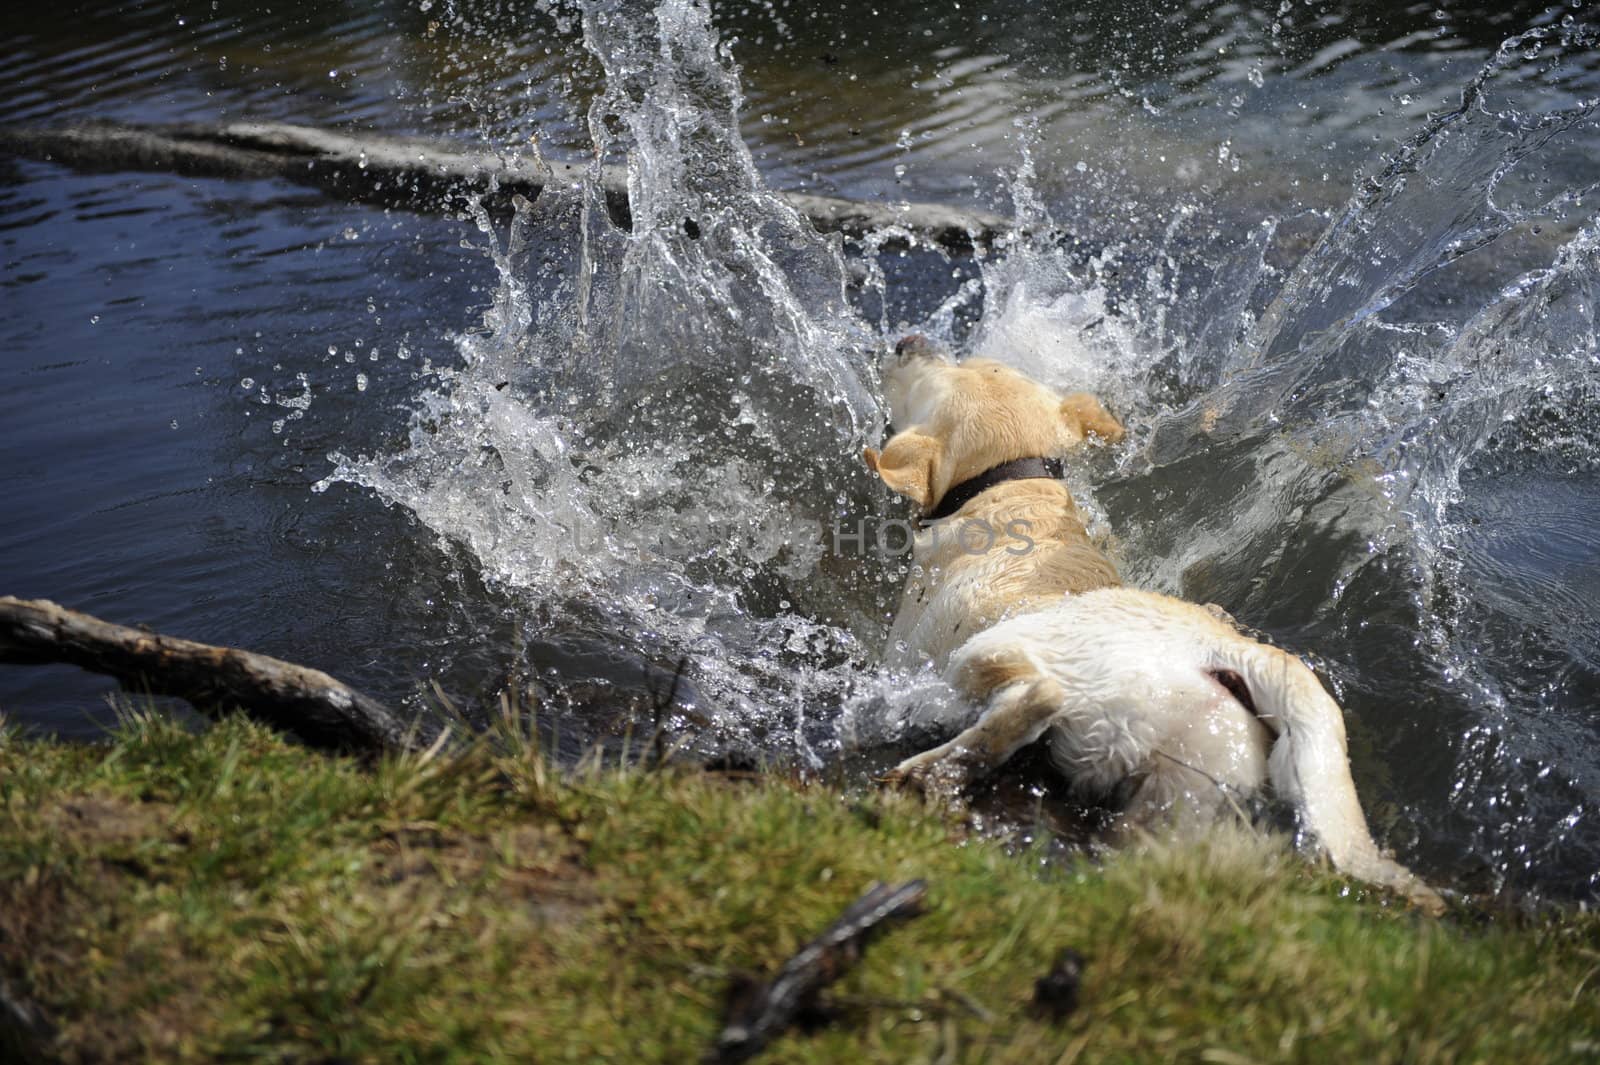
(1413, 887)
(937, 775)
(1091, 418)
(1428, 900)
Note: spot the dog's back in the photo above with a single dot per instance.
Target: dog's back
(1013, 549)
(1138, 693)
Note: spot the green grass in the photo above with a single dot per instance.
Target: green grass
(171, 897)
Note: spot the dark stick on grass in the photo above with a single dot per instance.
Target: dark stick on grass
(24, 1032)
(426, 174)
(307, 703)
(761, 1013)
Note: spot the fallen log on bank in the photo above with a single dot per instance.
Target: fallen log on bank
(760, 1013)
(425, 174)
(322, 712)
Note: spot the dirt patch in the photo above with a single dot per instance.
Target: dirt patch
(536, 864)
(95, 822)
(45, 896)
(82, 902)
(50, 915)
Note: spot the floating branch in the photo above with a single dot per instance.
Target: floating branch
(307, 703)
(762, 1012)
(424, 174)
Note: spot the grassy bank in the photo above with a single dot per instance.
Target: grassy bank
(171, 897)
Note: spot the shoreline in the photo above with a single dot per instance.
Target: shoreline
(172, 896)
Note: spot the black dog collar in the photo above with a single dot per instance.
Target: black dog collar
(1015, 470)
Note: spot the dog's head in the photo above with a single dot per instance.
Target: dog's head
(960, 419)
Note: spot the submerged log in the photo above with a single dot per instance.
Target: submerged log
(760, 1013)
(309, 704)
(425, 174)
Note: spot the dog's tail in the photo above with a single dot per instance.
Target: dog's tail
(1310, 767)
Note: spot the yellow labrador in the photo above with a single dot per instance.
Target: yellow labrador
(1137, 694)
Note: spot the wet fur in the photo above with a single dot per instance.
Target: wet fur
(1135, 693)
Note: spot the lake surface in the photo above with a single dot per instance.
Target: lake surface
(1353, 337)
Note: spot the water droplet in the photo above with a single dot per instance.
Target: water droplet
(361, 382)
(174, 423)
(247, 383)
(349, 233)
(94, 319)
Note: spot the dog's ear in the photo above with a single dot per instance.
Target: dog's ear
(908, 464)
(1085, 414)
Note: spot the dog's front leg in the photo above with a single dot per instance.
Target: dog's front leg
(1017, 715)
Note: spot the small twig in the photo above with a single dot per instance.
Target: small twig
(765, 1011)
(945, 1002)
(968, 1003)
(659, 708)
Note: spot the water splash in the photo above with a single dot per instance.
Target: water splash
(718, 272)
(1329, 399)
(635, 431)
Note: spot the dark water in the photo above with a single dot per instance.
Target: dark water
(179, 358)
